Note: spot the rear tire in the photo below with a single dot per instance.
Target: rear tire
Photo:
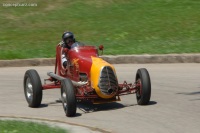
(68, 97)
(32, 88)
(144, 92)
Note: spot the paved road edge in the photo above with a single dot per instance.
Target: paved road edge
(118, 59)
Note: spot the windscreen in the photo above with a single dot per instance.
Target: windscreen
(76, 44)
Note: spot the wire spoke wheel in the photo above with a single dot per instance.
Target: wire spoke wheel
(29, 90)
(143, 82)
(32, 88)
(68, 97)
(139, 91)
(64, 99)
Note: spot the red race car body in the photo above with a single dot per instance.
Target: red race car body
(86, 77)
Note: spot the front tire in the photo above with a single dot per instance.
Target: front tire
(68, 97)
(144, 86)
(32, 88)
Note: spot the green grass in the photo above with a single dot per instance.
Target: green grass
(123, 27)
(12, 126)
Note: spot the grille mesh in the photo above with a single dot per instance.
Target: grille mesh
(108, 82)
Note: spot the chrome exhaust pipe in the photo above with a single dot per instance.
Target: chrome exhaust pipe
(80, 83)
(55, 76)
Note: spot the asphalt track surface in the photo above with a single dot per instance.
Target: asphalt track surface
(174, 105)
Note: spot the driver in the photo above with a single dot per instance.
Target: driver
(67, 41)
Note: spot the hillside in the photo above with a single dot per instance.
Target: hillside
(123, 27)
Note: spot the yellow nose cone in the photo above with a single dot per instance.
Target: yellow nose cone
(97, 65)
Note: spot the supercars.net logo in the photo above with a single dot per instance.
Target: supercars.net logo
(19, 4)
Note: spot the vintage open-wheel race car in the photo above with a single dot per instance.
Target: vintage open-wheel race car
(87, 77)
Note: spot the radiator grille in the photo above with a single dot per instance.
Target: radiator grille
(108, 83)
